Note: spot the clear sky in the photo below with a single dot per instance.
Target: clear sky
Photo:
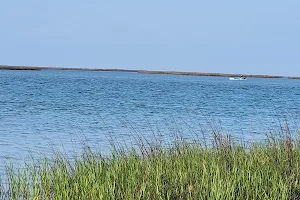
(256, 37)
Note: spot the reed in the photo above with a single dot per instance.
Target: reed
(181, 170)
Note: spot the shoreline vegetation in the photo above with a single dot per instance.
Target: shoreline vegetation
(223, 169)
(8, 67)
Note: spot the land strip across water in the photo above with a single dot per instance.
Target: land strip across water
(16, 67)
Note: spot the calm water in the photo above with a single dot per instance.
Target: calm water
(41, 110)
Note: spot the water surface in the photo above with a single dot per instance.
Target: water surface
(43, 109)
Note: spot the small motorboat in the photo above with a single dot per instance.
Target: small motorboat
(237, 78)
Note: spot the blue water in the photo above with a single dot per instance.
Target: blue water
(45, 110)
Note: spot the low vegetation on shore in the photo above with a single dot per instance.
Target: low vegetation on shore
(223, 169)
(7, 67)
(294, 77)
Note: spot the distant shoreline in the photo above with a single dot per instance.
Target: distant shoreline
(9, 67)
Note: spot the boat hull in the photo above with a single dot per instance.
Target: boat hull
(237, 79)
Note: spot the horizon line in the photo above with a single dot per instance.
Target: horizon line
(21, 67)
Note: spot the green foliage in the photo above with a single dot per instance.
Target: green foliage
(180, 171)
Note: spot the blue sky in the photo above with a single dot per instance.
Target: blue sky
(256, 37)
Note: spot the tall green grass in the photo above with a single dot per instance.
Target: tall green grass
(181, 170)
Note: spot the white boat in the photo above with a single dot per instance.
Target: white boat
(237, 78)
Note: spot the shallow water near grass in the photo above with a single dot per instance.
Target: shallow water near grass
(45, 110)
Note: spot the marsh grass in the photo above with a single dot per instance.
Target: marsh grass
(225, 169)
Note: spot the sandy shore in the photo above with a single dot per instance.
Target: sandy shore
(7, 67)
